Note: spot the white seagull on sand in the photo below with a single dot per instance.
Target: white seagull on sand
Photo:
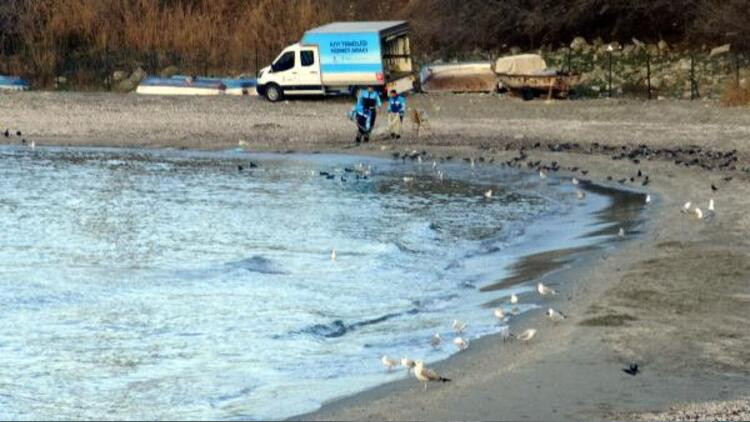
(575, 181)
(488, 194)
(698, 213)
(408, 364)
(542, 175)
(458, 326)
(513, 299)
(686, 207)
(648, 199)
(554, 315)
(527, 335)
(461, 344)
(389, 363)
(426, 375)
(435, 340)
(544, 290)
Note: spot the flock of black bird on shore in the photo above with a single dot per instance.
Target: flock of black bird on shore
(687, 156)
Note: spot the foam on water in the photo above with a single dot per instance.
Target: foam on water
(150, 285)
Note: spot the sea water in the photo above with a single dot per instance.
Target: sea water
(142, 284)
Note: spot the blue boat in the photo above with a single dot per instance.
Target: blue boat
(13, 83)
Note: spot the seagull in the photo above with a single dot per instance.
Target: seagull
(580, 194)
(333, 254)
(542, 175)
(388, 362)
(513, 299)
(711, 205)
(408, 179)
(242, 143)
(686, 207)
(527, 335)
(554, 315)
(426, 375)
(544, 290)
(458, 326)
(648, 199)
(461, 343)
(488, 194)
(407, 363)
(575, 181)
(435, 340)
(33, 145)
(499, 314)
(621, 233)
(698, 213)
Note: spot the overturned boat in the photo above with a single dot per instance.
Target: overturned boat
(13, 83)
(191, 85)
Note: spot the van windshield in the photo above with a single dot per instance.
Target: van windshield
(285, 62)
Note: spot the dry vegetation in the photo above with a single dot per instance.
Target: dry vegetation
(735, 95)
(86, 39)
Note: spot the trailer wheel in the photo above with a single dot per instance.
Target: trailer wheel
(527, 94)
(274, 93)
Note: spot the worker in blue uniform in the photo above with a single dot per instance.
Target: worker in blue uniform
(361, 117)
(369, 99)
(396, 109)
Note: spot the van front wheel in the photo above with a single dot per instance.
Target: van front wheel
(274, 93)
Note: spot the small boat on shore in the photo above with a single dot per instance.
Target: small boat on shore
(190, 85)
(13, 83)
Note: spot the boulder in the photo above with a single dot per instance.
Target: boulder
(119, 75)
(579, 44)
(722, 49)
(126, 85)
(169, 71)
(137, 75)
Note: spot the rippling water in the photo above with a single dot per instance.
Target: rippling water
(149, 285)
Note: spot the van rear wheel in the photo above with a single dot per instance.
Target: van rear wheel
(274, 93)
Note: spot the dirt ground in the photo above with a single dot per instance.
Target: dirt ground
(673, 298)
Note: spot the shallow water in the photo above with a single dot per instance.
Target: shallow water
(169, 285)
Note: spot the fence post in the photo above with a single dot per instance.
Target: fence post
(648, 74)
(693, 83)
(737, 68)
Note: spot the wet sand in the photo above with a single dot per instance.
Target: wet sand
(674, 298)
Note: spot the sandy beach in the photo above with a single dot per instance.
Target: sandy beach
(673, 297)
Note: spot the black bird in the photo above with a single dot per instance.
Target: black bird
(330, 176)
(23, 141)
(728, 179)
(348, 170)
(395, 155)
(609, 177)
(645, 182)
(325, 173)
(632, 369)
(623, 180)
(253, 165)
(18, 133)
(7, 133)
(239, 168)
(632, 179)
(639, 173)
(713, 187)
(584, 172)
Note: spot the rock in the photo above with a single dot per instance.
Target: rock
(119, 75)
(722, 49)
(137, 75)
(579, 44)
(126, 85)
(663, 46)
(169, 71)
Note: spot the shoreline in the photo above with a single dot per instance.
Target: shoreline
(674, 299)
